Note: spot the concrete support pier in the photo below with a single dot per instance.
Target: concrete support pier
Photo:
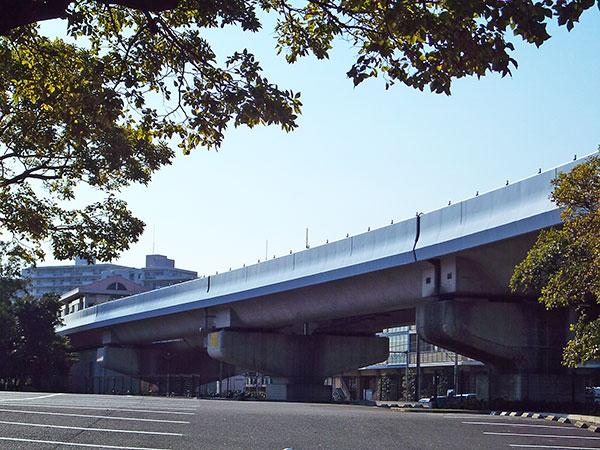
(520, 340)
(302, 362)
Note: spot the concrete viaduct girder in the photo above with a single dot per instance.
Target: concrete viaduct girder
(352, 287)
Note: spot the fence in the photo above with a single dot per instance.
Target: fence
(172, 385)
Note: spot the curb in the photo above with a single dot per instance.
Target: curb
(591, 423)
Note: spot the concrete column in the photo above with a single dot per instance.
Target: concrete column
(122, 360)
(539, 387)
(521, 342)
(304, 361)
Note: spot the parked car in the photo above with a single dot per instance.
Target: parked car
(592, 394)
(440, 401)
(448, 401)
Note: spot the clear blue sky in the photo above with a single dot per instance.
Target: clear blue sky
(363, 156)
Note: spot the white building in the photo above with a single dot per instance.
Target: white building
(159, 272)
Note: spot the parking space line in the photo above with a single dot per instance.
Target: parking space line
(550, 436)
(98, 408)
(108, 430)
(562, 447)
(149, 401)
(477, 416)
(134, 419)
(166, 408)
(30, 398)
(508, 424)
(73, 444)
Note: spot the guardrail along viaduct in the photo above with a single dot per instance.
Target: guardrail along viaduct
(316, 313)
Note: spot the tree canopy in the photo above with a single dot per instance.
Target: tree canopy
(30, 351)
(82, 109)
(564, 264)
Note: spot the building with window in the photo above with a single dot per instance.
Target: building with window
(98, 292)
(440, 368)
(158, 272)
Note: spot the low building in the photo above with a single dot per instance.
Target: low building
(158, 272)
(440, 368)
(100, 291)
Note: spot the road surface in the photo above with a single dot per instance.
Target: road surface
(70, 421)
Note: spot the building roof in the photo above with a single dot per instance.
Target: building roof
(116, 286)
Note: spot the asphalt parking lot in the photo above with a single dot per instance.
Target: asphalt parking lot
(32, 421)
(63, 421)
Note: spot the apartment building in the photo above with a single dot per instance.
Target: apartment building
(159, 271)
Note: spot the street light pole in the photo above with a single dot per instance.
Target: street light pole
(456, 373)
(407, 353)
(418, 370)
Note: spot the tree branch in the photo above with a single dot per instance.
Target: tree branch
(144, 5)
(16, 13)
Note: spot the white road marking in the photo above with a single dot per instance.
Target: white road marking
(98, 408)
(162, 401)
(135, 419)
(128, 405)
(507, 424)
(72, 444)
(552, 446)
(67, 427)
(551, 436)
(30, 398)
(125, 400)
(478, 416)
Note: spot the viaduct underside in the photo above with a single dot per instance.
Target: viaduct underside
(313, 314)
(459, 302)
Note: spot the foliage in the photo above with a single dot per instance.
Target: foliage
(60, 126)
(384, 387)
(40, 353)
(30, 351)
(103, 106)
(444, 383)
(9, 286)
(7, 334)
(409, 386)
(564, 264)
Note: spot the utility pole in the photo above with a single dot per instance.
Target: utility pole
(418, 361)
(407, 354)
(169, 357)
(220, 380)
(153, 239)
(455, 373)
(418, 370)
(435, 389)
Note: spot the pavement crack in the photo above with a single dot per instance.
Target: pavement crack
(80, 432)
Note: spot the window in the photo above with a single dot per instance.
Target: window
(399, 343)
(403, 329)
(116, 287)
